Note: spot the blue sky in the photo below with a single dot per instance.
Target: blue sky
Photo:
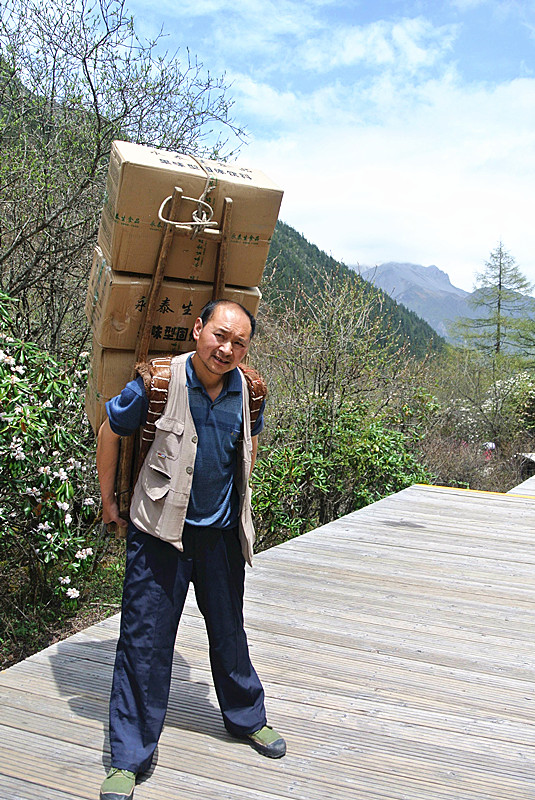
(400, 130)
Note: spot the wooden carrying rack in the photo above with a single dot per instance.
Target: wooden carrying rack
(128, 444)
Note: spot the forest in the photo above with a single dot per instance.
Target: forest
(365, 398)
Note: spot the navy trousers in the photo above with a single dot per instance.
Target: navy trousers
(156, 582)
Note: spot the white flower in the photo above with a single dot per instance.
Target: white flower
(20, 369)
(64, 581)
(14, 380)
(47, 404)
(44, 526)
(45, 470)
(49, 536)
(18, 410)
(85, 354)
(61, 474)
(89, 551)
(73, 593)
(16, 447)
(68, 519)
(88, 501)
(62, 506)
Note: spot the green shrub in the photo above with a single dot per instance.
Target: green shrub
(48, 493)
(332, 462)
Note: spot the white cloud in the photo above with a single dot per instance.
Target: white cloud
(260, 100)
(406, 45)
(383, 152)
(440, 183)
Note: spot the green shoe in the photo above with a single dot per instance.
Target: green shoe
(268, 742)
(119, 785)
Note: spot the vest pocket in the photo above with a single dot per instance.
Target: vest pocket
(155, 482)
(166, 445)
(161, 458)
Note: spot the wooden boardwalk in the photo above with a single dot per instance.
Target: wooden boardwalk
(396, 646)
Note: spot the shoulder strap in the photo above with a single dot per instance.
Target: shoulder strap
(257, 390)
(156, 375)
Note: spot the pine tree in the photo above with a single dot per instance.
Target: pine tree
(501, 297)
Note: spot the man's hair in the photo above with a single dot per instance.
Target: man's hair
(208, 312)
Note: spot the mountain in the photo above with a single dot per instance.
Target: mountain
(295, 262)
(427, 291)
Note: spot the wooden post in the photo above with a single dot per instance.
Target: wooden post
(126, 462)
(222, 255)
(142, 348)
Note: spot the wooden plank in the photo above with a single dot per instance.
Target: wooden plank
(395, 646)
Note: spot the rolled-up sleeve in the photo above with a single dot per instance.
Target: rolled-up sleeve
(128, 410)
(258, 426)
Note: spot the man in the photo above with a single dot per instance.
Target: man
(190, 520)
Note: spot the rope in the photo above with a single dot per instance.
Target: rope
(201, 218)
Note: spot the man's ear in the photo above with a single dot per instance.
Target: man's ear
(197, 328)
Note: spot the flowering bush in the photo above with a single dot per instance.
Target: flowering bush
(501, 412)
(48, 493)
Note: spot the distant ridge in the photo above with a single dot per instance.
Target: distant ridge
(295, 264)
(427, 291)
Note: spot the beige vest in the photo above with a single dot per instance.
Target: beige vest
(163, 488)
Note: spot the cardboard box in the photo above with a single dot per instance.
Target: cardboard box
(140, 178)
(115, 303)
(109, 372)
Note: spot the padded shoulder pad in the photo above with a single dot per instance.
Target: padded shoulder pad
(155, 373)
(257, 390)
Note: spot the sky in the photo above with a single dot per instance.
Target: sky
(399, 130)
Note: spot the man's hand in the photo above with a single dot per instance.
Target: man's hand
(107, 457)
(110, 513)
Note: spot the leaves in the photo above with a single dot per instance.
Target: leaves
(343, 413)
(44, 484)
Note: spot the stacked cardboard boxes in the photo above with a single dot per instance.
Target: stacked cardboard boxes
(139, 181)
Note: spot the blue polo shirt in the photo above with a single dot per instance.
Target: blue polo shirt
(214, 501)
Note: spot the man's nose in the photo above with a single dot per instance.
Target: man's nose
(226, 347)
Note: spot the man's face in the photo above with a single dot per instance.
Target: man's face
(223, 341)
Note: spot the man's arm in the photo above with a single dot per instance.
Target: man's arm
(107, 457)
